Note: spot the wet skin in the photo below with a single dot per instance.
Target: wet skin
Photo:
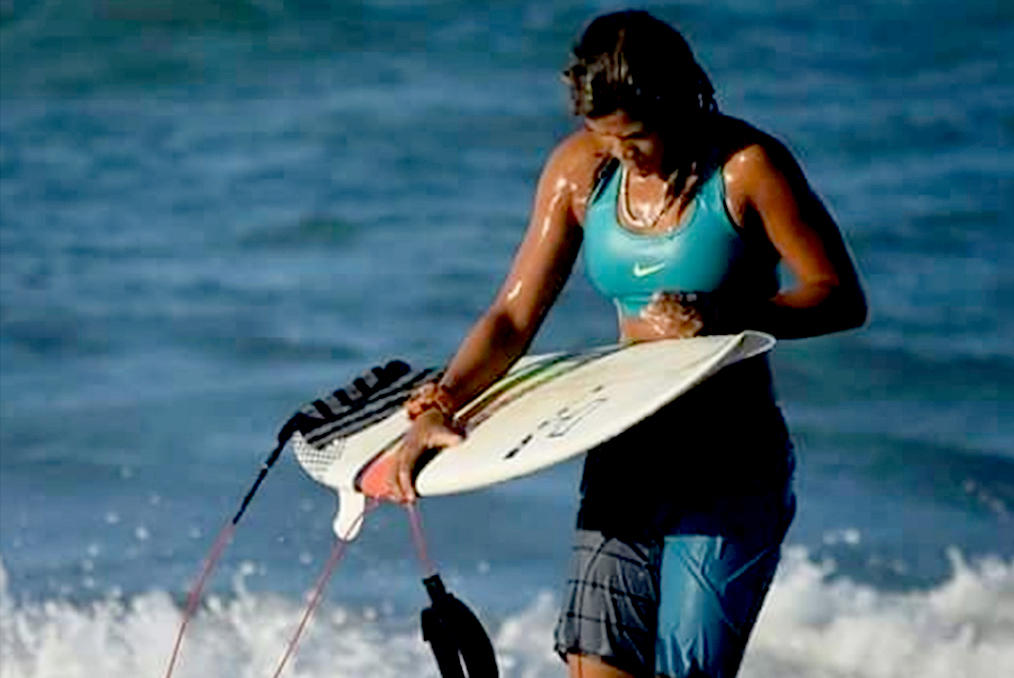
(766, 193)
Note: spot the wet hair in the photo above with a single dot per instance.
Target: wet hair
(634, 62)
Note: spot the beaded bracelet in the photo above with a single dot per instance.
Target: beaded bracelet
(430, 396)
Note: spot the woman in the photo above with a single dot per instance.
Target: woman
(684, 214)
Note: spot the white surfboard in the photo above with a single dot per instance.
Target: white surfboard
(546, 409)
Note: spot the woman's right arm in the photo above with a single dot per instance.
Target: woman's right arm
(541, 266)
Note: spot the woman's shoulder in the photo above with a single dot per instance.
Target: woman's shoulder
(751, 160)
(742, 146)
(575, 164)
(579, 155)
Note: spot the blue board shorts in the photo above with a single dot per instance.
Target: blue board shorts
(682, 605)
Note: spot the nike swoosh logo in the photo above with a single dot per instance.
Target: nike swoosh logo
(640, 271)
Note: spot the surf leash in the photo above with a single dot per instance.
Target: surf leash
(367, 399)
(221, 543)
(337, 552)
(458, 641)
(194, 597)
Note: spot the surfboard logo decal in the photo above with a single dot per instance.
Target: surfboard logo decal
(517, 448)
(563, 422)
(567, 418)
(532, 377)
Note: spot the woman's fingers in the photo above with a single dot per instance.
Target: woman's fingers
(669, 315)
(443, 437)
(431, 438)
(404, 487)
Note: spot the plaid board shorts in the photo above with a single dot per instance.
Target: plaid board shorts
(680, 606)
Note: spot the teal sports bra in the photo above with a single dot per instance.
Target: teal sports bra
(705, 254)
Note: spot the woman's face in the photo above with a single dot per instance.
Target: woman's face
(628, 140)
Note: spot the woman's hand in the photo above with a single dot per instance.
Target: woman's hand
(667, 316)
(429, 431)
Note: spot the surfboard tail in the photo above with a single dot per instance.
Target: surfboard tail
(333, 468)
(335, 437)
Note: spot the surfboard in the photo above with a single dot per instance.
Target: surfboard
(546, 409)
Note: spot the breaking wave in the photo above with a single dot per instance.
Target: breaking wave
(814, 625)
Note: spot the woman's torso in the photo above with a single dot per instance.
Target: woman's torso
(704, 254)
(719, 458)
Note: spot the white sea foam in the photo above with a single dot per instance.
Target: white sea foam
(817, 628)
(813, 626)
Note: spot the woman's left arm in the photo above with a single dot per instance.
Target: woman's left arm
(767, 190)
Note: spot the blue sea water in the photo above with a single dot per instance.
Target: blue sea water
(213, 211)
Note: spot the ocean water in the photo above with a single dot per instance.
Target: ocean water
(213, 211)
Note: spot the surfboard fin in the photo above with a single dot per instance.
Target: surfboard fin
(460, 644)
(351, 505)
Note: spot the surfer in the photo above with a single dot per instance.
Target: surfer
(684, 214)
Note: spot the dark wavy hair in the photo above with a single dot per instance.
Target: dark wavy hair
(634, 62)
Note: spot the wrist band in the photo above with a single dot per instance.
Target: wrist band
(431, 396)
